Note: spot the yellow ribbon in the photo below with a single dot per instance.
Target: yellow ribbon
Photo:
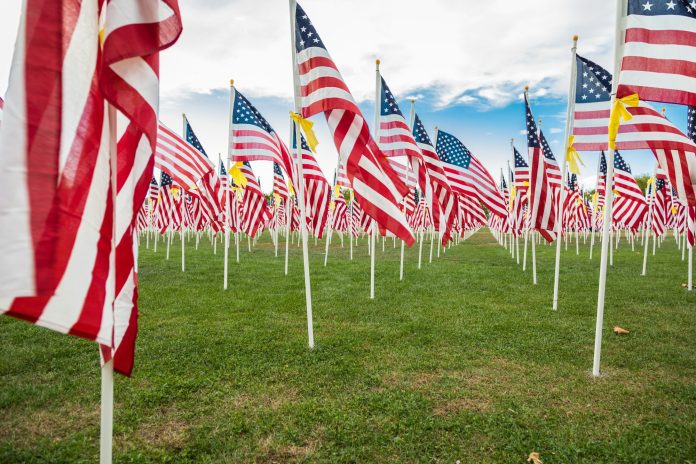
(525, 183)
(619, 112)
(277, 199)
(306, 126)
(332, 205)
(337, 191)
(651, 180)
(594, 201)
(674, 210)
(290, 189)
(573, 157)
(237, 175)
(512, 197)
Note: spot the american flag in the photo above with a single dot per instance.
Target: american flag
(648, 129)
(280, 188)
(322, 88)
(433, 175)
(552, 170)
(660, 205)
(466, 174)
(630, 207)
(253, 139)
(395, 138)
(521, 184)
(211, 187)
(471, 212)
(540, 193)
(184, 163)
(154, 189)
(339, 219)
(341, 176)
(659, 54)
(254, 209)
(168, 210)
(58, 224)
(317, 190)
(356, 215)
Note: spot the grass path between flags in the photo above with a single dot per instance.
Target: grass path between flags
(464, 360)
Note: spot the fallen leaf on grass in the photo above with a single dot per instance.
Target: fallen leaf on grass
(534, 458)
(684, 285)
(620, 331)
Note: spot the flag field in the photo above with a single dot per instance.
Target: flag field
(464, 360)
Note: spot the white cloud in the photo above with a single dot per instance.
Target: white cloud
(488, 49)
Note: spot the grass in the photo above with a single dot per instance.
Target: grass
(463, 361)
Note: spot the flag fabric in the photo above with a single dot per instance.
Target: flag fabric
(339, 219)
(648, 129)
(521, 184)
(540, 194)
(71, 82)
(553, 172)
(253, 139)
(466, 174)
(154, 189)
(254, 209)
(280, 188)
(432, 174)
(210, 185)
(322, 89)
(660, 205)
(395, 137)
(183, 162)
(629, 207)
(659, 55)
(317, 190)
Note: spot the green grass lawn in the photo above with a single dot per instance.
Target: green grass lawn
(464, 360)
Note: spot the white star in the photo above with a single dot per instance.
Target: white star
(647, 6)
(670, 5)
(693, 4)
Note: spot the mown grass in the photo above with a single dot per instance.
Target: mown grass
(463, 361)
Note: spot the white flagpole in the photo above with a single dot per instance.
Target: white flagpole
(651, 201)
(288, 220)
(183, 197)
(375, 136)
(564, 166)
(107, 370)
(300, 182)
(690, 284)
(618, 43)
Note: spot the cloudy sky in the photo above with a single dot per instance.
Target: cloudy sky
(465, 61)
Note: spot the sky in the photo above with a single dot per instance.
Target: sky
(466, 62)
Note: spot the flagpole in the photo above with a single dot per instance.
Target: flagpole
(651, 204)
(618, 43)
(288, 220)
(183, 254)
(300, 182)
(570, 113)
(375, 136)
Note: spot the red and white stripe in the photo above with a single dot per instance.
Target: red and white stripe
(63, 222)
(659, 57)
(375, 184)
(179, 159)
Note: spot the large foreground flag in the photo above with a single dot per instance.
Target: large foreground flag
(659, 55)
(648, 129)
(540, 194)
(67, 221)
(322, 90)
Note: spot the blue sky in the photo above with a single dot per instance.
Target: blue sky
(467, 63)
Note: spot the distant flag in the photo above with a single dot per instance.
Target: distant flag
(648, 129)
(553, 172)
(374, 183)
(255, 212)
(659, 54)
(317, 190)
(540, 194)
(280, 188)
(660, 205)
(441, 188)
(253, 139)
(184, 163)
(395, 137)
(466, 174)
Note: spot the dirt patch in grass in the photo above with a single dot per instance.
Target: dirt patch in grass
(25, 429)
(165, 430)
(275, 452)
(455, 406)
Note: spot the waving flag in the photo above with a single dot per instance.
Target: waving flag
(395, 138)
(553, 172)
(659, 55)
(466, 174)
(253, 139)
(437, 178)
(648, 129)
(322, 88)
(255, 212)
(280, 188)
(630, 206)
(58, 222)
(317, 190)
(211, 187)
(540, 194)
(659, 209)
(184, 163)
